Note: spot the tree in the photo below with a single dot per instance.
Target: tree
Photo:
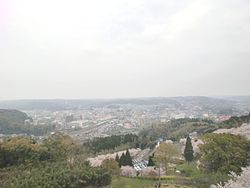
(117, 159)
(237, 181)
(57, 175)
(151, 161)
(188, 151)
(110, 143)
(18, 150)
(125, 159)
(111, 166)
(224, 153)
(61, 146)
(47, 164)
(165, 154)
(128, 158)
(122, 161)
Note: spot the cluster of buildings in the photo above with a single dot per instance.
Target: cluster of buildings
(116, 119)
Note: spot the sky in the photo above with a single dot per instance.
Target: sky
(123, 48)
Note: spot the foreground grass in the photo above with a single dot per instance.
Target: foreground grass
(190, 177)
(124, 182)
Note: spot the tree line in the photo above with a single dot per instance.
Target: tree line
(13, 122)
(124, 160)
(111, 142)
(58, 161)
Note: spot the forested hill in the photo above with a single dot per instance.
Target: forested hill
(180, 128)
(13, 122)
(12, 116)
(174, 130)
(235, 121)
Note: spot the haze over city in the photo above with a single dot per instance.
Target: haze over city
(125, 94)
(127, 48)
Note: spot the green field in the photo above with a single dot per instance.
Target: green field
(123, 182)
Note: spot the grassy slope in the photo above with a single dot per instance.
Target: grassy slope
(124, 182)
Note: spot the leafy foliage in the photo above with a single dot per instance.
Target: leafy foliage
(125, 159)
(18, 150)
(128, 158)
(58, 161)
(235, 121)
(165, 155)
(99, 144)
(58, 175)
(174, 130)
(224, 153)
(122, 161)
(188, 151)
(13, 122)
(117, 158)
(111, 166)
(236, 180)
(13, 116)
(62, 146)
(150, 160)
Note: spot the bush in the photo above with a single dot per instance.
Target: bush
(58, 175)
(206, 180)
(224, 153)
(189, 170)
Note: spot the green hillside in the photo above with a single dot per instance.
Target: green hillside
(13, 122)
(175, 130)
(235, 121)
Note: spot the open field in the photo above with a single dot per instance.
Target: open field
(123, 182)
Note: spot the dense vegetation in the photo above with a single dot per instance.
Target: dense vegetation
(58, 161)
(188, 151)
(125, 159)
(174, 130)
(180, 128)
(165, 154)
(235, 121)
(13, 116)
(220, 155)
(56, 175)
(13, 122)
(111, 166)
(224, 153)
(111, 142)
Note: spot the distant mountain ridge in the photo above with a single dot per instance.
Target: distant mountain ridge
(210, 103)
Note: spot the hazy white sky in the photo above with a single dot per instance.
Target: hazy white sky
(124, 48)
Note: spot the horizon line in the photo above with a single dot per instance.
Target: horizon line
(125, 98)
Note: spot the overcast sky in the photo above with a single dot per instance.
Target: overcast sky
(123, 48)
